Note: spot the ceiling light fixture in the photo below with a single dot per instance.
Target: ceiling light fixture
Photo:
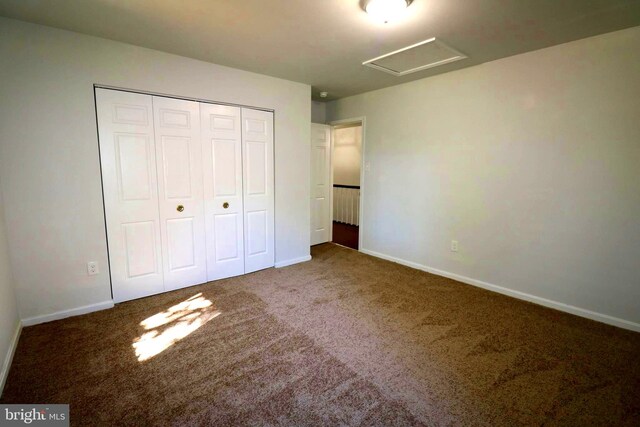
(386, 10)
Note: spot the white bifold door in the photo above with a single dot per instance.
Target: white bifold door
(222, 158)
(257, 152)
(320, 183)
(188, 191)
(130, 187)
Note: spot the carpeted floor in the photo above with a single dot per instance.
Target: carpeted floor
(345, 339)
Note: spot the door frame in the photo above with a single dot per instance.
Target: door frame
(335, 124)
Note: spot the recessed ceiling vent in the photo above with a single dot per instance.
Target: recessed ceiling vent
(420, 56)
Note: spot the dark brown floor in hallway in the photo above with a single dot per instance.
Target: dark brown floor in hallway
(345, 234)
(344, 339)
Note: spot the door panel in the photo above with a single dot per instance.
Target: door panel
(126, 112)
(139, 246)
(226, 245)
(256, 168)
(257, 229)
(176, 159)
(180, 191)
(181, 250)
(320, 183)
(132, 165)
(178, 119)
(226, 169)
(222, 157)
(257, 149)
(127, 153)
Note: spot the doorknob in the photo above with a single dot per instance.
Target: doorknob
(225, 205)
(180, 208)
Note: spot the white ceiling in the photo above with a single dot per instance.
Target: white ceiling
(324, 42)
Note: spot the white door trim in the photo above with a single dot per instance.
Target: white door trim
(340, 123)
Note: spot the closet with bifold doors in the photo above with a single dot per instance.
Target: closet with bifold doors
(188, 191)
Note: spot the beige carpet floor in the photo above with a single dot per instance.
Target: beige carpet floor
(345, 339)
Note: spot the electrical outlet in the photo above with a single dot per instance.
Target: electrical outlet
(92, 268)
(454, 246)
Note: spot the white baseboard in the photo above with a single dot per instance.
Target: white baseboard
(6, 365)
(67, 313)
(293, 261)
(582, 312)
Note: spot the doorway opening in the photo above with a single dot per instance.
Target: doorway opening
(346, 171)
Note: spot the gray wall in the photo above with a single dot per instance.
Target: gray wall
(531, 162)
(50, 169)
(347, 155)
(318, 112)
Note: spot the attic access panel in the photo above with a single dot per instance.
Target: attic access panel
(420, 56)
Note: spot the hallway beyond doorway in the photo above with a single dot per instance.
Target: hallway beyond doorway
(345, 234)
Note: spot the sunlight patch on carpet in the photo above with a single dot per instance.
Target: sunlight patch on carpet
(172, 325)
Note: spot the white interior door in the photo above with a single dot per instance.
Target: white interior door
(180, 191)
(127, 153)
(222, 164)
(320, 183)
(257, 152)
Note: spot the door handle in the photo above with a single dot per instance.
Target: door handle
(180, 208)
(225, 205)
